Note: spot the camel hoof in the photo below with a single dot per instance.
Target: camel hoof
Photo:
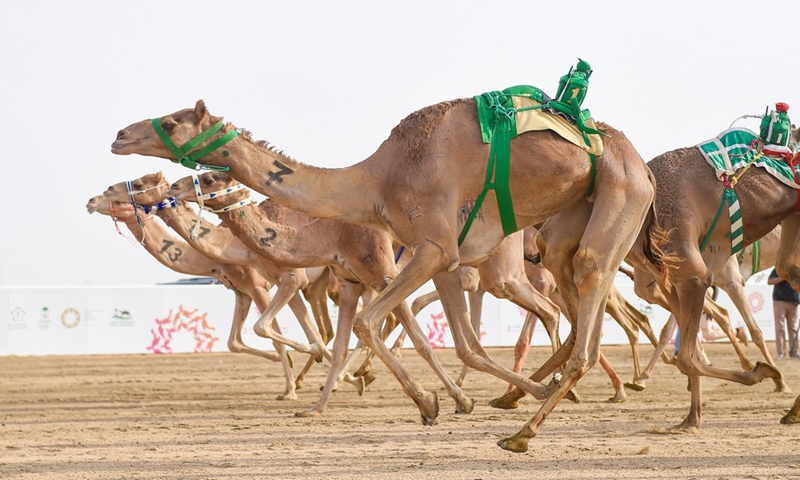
(359, 382)
(465, 409)
(781, 386)
(620, 397)
(287, 396)
(307, 414)
(396, 352)
(509, 401)
(514, 444)
(298, 383)
(636, 387)
(459, 383)
(573, 396)
(790, 418)
(368, 378)
(428, 408)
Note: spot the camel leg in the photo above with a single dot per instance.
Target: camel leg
(616, 380)
(523, 345)
(666, 334)
(612, 224)
(236, 344)
(316, 294)
(690, 290)
(287, 290)
(468, 347)
(416, 306)
(348, 300)
(793, 416)
(475, 310)
(427, 260)
(735, 290)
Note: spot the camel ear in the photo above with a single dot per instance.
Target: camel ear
(200, 110)
(160, 176)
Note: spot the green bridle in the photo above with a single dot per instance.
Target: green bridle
(190, 160)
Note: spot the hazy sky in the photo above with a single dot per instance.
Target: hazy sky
(326, 82)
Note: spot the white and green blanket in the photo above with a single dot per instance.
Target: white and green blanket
(734, 148)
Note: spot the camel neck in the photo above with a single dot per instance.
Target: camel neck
(171, 252)
(216, 243)
(338, 194)
(276, 241)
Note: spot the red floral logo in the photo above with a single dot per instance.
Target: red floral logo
(183, 320)
(437, 328)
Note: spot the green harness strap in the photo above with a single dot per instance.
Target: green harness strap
(756, 266)
(189, 160)
(730, 198)
(499, 164)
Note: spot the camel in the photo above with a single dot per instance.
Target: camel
(361, 257)
(220, 245)
(502, 274)
(419, 186)
(736, 272)
(688, 197)
(626, 315)
(176, 255)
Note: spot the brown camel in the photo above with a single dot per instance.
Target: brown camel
(418, 185)
(222, 246)
(735, 273)
(176, 255)
(689, 195)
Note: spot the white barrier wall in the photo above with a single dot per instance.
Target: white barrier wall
(197, 318)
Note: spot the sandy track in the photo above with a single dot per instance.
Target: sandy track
(214, 416)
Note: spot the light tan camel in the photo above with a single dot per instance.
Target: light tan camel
(736, 272)
(688, 198)
(361, 257)
(176, 255)
(418, 185)
(221, 245)
(504, 276)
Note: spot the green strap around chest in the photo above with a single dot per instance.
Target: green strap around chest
(498, 168)
(730, 198)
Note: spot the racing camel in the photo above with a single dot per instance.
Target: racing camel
(418, 186)
(176, 255)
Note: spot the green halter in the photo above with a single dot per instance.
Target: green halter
(189, 160)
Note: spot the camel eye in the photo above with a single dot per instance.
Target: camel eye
(168, 125)
(138, 186)
(208, 181)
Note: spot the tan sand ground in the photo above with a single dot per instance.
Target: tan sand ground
(214, 416)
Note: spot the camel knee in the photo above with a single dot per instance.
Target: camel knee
(578, 367)
(425, 351)
(586, 268)
(361, 328)
(263, 329)
(467, 356)
(686, 367)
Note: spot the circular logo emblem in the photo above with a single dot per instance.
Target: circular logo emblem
(70, 318)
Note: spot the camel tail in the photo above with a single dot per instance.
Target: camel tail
(654, 238)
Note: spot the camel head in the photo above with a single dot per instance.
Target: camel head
(121, 211)
(146, 190)
(215, 190)
(181, 136)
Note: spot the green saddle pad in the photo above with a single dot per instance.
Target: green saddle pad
(734, 148)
